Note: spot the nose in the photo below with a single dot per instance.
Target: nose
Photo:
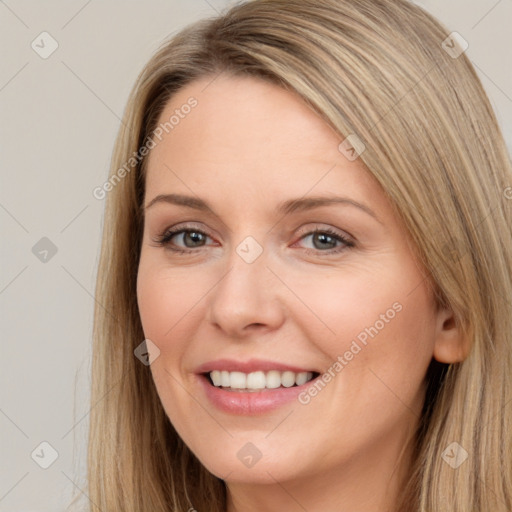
(247, 299)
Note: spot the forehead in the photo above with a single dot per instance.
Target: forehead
(247, 112)
(246, 133)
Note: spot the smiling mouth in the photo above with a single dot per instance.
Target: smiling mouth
(258, 381)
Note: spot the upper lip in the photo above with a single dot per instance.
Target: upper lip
(251, 365)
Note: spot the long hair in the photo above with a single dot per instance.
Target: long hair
(388, 73)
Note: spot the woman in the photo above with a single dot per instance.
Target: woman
(303, 299)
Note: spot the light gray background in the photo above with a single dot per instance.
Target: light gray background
(59, 117)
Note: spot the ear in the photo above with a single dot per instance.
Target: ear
(451, 344)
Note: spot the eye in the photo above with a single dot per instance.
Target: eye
(327, 240)
(182, 239)
(186, 239)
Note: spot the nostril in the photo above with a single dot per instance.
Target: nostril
(256, 325)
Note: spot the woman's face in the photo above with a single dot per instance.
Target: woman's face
(270, 256)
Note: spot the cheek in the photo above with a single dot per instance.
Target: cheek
(378, 326)
(165, 298)
(166, 302)
(379, 355)
(359, 301)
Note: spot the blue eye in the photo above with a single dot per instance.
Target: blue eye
(186, 239)
(327, 241)
(190, 238)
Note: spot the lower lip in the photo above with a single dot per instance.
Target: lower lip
(253, 402)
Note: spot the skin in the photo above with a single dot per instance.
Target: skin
(246, 147)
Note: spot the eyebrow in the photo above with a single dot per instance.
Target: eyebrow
(284, 208)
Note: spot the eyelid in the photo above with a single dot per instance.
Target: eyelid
(347, 240)
(320, 227)
(164, 236)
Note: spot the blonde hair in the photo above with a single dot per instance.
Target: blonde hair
(374, 68)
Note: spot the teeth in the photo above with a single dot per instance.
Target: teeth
(256, 380)
(216, 377)
(273, 379)
(288, 379)
(259, 380)
(238, 380)
(301, 378)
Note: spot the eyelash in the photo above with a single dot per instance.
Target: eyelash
(164, 240)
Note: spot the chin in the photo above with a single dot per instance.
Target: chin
(244, 463)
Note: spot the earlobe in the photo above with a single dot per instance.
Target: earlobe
(452, 345)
